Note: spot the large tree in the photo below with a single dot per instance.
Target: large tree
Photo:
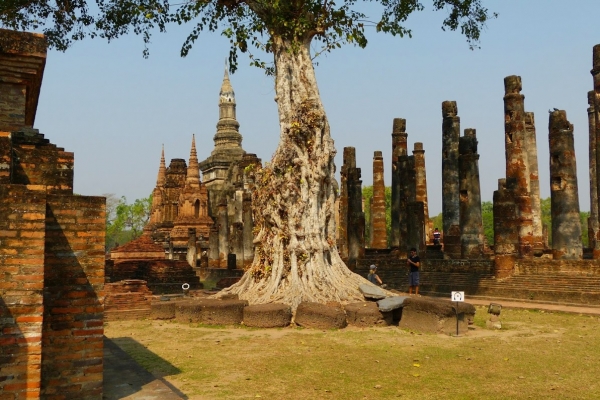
(296, 258)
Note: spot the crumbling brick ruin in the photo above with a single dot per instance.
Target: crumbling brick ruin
(52, 247)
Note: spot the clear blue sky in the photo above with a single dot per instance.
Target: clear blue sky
(114, 109)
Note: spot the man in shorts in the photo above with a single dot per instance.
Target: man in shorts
(414, 262)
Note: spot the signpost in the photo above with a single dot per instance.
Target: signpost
(457, 297)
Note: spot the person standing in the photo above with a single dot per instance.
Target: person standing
(414, 263)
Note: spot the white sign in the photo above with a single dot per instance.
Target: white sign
(458, 296)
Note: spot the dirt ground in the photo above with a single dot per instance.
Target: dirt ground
(535, 355)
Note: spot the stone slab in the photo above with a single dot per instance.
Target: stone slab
(372, 292)
(391, 303)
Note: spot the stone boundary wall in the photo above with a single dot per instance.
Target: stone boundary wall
(73, 328)
(545, 266)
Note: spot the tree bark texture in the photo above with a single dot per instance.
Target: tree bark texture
(296, 257)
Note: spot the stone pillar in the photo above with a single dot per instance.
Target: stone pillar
(534, 182)
(399, 148)
(416, 227)
(421, 184)
(407, 193)
(471, 222)
(517, 163)
(593, 225)
(506, 236)
(379, 230)
(356, 216)
(213, 247)
(237, 243)
(248, 233)
(223, 224)
(342, 238)
(566, 225)
(450, 180)
(192, 251)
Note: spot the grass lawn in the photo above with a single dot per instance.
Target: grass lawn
(535, 355)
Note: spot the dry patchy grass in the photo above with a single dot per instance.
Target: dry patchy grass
(536, 355)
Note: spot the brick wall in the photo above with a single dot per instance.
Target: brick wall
(72, 346)
(22, 218)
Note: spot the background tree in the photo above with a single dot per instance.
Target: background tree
(293, 203)
(125, 222)
(487, 216)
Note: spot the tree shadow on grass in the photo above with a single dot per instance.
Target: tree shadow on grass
(124, 376)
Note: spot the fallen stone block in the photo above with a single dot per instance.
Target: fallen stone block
(320, 316)
(433, 315)
(391, 303)
(372, 292)
(363, 314)
(274, 315)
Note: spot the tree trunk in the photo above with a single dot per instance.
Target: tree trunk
(296, 258)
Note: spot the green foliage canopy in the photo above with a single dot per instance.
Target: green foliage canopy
(247, 23)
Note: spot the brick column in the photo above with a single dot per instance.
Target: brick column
(223, 224)
(534, 182)
(517, 164)
(342, 238)
(356, 216)
(213, 247)
(566, 225)
(450, 179)
(421, 185)
(471, 223)
(593, 224)
(399, 148)
(416, 227)
(379, 232)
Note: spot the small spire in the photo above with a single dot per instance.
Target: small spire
(227, 94)
(162, 170)
(193, 172)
